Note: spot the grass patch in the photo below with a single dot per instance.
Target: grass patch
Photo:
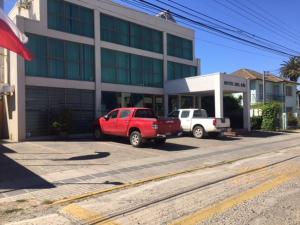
(9, 211)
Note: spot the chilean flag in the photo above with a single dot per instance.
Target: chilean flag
(12, 38)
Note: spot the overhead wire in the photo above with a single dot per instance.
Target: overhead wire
(207, 27)
(238, 30)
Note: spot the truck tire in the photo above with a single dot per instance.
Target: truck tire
(136, 139)
(160, 141)
(198, 132)
(98, 133)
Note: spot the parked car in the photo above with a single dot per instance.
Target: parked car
(197, 122)
(139, 124)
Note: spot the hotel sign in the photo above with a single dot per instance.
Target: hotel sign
(234, 84)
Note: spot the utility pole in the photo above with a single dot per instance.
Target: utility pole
(263, 94)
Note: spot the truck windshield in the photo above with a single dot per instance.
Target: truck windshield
(145, 113)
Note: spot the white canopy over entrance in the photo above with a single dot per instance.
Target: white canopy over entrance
(212, 84)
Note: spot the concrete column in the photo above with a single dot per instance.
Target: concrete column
(165, 70)
(246, 107)
(97, 63)
(219, 109)
(200, 102)
(15, 104)
(166, 104)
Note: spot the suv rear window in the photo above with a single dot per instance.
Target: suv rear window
(144, 113)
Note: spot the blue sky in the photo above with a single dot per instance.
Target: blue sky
(221, 55)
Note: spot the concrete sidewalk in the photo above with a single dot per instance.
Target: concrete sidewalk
(49, 171)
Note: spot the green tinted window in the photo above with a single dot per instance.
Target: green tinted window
(178, 71)
(71, 18)
(180, 47)
(123, 68)
(130, 34)
(60, 59)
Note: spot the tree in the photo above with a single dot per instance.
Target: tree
(291, 68)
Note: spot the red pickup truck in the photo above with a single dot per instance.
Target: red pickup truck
(139, 124)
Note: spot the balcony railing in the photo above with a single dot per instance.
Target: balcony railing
(269, 98)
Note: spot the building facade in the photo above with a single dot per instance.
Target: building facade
(274, 89)
(90, 57)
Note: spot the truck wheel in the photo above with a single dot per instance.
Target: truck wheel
(160, 141)
(98, 133)
(136, 139)
(198, 132)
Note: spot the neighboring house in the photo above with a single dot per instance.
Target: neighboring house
(298, 102)
(276, 89)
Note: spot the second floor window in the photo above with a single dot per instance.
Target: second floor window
(289, 91)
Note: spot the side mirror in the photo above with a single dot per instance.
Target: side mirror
(106, 117)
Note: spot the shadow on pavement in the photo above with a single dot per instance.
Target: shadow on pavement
(261, 134)
(97, 155)
(15, 176)
(170, 147)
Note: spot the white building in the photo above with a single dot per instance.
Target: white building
(276, 89)
(92, 56)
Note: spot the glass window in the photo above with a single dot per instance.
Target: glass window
(123, 68)
(174, 114)
(289, 91)
(113, 115)
(122, 32)
(125, 113)
(60, 59)
(71, 18)
(200, 114)
(187, 102)
(185, 114)
(110, 101)
(178, 71)
(180, 47)
(144, 113)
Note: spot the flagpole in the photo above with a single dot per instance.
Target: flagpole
(1, 52)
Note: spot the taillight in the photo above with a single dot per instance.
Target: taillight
(155, 126)
(215, 122)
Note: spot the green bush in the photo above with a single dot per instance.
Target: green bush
(270, 114)
(61, 122)
(256, 122)
(292, 120)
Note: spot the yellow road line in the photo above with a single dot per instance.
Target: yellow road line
(84, 215)
(146, 180)
(221, 207)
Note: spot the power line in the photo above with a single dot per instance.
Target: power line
(238, 30)
(276, 20)
(257, 21)
(219, 31)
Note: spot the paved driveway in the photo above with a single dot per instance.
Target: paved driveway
(56, 169)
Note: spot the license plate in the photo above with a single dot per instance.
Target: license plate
(169, 133)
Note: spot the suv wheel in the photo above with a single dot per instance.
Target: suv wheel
(136, 139)
(198, 132)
